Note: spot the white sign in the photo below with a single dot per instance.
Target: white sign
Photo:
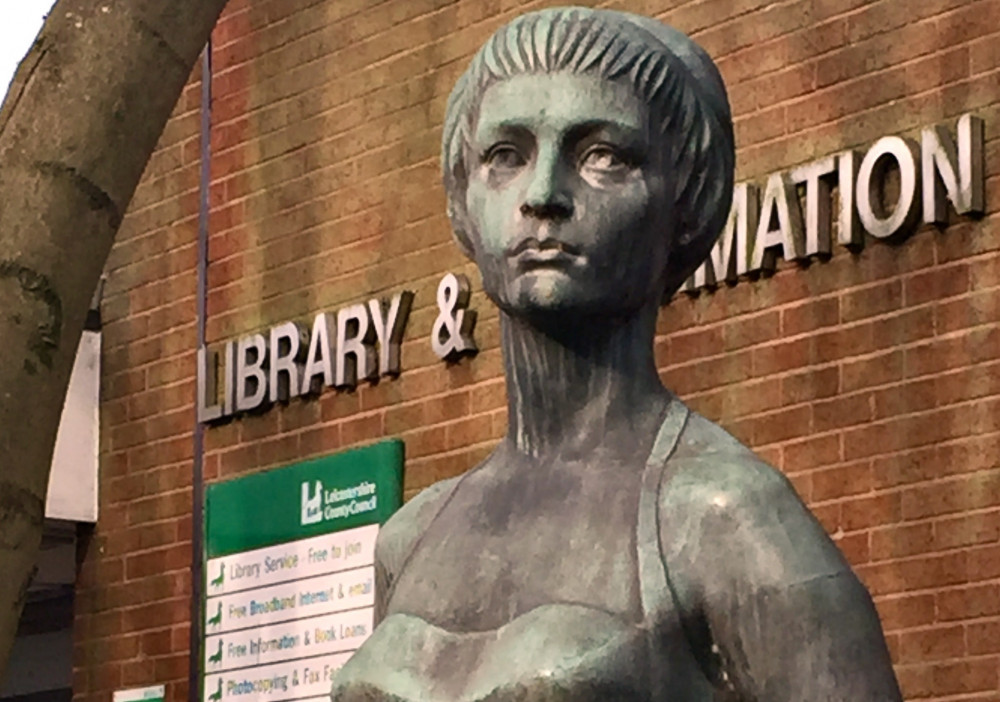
(280, 620)
(292, 561)
(272, 683)
(312, 597)
(334, 633)
(72, 491)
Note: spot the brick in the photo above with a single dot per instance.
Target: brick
(750, 398)
(403, 418)
(965, 456)
(906, 398)
(963, 493)
(917, 430)
(107, 678)
(812, 452)
(760, 126)
(935, 284)
(968, 529)
(488, 396)
(948, 679)
(161, 452)
(444, 408)
(873, 370)
(968, 602)
(780, 356)
(337, 405)
(829, 516)
(710, 404)
(298, 413)
(802, 482)
(841, 343)
(870, 301)
(180, 636)
(841, 481)
(936, 643)
(279, 450)
(785, 84)
(694, 345)
(781, 425)
(968, 383)
(902, 540)
(153, 535)
(469, 431)
(983, 55)
(967, 239)
(970, 311)
(855, 547)
(811, 384)
(984, 273)
(984, 563)
(692, 17)
(156, 615)
(239, 460)
(866, 512)
(914, 574)
(809, 316)
(171, 667)
(842, 411)
(906, 612)
(157, 507)
(423, 442)
(710, 373)
(939, 70)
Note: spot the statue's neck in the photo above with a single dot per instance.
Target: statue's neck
(581, 386)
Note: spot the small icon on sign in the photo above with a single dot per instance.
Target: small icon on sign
(217, 582)
(216, 619)
(312, 507)
(217, 695)
(216, 658)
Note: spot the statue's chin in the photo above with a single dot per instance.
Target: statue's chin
(541, 294)
(561, 308)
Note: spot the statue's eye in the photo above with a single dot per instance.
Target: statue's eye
(602, 158)
(504, 157)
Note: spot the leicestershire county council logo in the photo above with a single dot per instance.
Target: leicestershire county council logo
(312, 507)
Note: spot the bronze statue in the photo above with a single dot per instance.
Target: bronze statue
(615, 545)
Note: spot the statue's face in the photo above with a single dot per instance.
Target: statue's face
(567, 199)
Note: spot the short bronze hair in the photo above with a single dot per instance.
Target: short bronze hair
(671, 73)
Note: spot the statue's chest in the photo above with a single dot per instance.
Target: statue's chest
(494, 554)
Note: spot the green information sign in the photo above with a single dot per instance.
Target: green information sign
(289, 572)
(350, 489)
(155, 693)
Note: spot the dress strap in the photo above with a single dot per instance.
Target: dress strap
(655, 592)
(654, 585)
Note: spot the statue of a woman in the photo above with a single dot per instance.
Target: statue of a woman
(615, 545)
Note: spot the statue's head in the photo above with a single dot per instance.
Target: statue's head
(588, 161)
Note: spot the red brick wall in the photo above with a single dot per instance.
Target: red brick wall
(873, 380)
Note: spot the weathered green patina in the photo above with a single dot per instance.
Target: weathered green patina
(615, 545)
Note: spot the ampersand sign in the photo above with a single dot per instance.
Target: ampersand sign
(451, 336)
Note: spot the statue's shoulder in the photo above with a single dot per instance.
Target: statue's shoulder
(711, 469)
(397, 536)
(716, 494)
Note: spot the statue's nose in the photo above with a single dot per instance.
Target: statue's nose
(548, 195)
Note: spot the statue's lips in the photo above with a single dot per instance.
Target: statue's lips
(532, 253)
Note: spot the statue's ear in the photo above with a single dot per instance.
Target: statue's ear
(460, 229)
